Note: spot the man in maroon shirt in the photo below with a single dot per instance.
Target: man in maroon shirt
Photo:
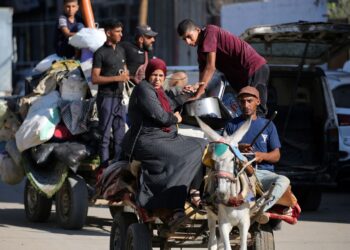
(236, 59)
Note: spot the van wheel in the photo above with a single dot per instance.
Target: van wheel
(138, 237)
(36, 205)
(121, 222)
(72, 203)
(310, 198)
(263, 238)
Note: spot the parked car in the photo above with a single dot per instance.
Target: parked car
(299, 91)
(339, 82)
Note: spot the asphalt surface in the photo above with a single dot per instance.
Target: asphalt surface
(326, 229)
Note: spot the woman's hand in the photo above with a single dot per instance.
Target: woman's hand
(178, 116)
(190, 89)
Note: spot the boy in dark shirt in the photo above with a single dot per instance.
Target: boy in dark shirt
(109, 73)
(68, 25)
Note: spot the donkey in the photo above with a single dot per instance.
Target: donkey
(227, 187)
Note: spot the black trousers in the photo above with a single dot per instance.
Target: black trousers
(260, 80)
(112, 116)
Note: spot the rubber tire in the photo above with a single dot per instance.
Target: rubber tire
(37, 206)
(121, 222)
(115, 209)
(72, 203)
(138, 237)
(263, 238)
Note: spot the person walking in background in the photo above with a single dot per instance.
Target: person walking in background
(68, 24)
(236, 59)
(109, 73)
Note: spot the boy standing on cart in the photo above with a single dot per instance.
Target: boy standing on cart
(109, 73)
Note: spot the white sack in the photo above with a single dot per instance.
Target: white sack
(10, 172)
(73, 88)
(46, 63)
(39, 125)
(88, 38)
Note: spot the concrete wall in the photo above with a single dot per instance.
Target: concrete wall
(164, 16)
(6, 50)
(238, 17)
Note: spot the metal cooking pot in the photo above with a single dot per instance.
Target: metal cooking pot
(206, 107)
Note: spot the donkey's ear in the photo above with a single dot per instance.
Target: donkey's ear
(240, 132)
(208, 131)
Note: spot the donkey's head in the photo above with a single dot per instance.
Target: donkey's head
(224, 153)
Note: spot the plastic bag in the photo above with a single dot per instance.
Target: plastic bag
(76, 115)
(9, 122)
(89, 38)
(12, 150)
(10, 172)
(71, 154)
(41, 153)
(39, 125)
(128, 88)
(46, 63)
(73, 88)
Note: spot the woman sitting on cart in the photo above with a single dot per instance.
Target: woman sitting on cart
(171, 163)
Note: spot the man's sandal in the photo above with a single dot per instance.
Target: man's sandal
(196, 201)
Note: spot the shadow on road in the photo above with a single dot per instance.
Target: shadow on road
(334, 208)
(94, 226)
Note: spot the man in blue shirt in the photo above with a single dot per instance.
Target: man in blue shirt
(267, 146)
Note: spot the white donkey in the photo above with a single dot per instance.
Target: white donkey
(228, 186)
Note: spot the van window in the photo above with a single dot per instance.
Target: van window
(341, 96)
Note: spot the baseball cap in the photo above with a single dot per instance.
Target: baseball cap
(249, 90)
(145, 30)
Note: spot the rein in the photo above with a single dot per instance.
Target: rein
(233, 201)
(225, 175)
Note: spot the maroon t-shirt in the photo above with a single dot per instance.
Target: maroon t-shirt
(234, 57)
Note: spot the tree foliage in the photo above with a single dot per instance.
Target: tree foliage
(339, 9)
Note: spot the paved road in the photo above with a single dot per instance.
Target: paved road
(327, 229)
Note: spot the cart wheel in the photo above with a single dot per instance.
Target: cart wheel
(36, 205)
(138, 237)
(115, 209)
(263, 238)
(72, 203)
(121, 222)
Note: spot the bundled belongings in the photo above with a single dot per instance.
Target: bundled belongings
(116, 181)
(76, 114)
(39, 125)
(73, 87)
(89, 38)
(54, 138)
(54, 75)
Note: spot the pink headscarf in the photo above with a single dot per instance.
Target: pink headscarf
(153, 65)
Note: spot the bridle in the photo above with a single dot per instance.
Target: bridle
(233, 201)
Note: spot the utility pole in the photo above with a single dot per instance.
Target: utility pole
(143, 11)
(88, 14)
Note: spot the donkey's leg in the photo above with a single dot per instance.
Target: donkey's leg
(225, 227)
(212, 218)
(243, 226)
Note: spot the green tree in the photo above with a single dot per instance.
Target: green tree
(339, 9)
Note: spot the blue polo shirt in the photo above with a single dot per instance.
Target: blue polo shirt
(266, 142)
